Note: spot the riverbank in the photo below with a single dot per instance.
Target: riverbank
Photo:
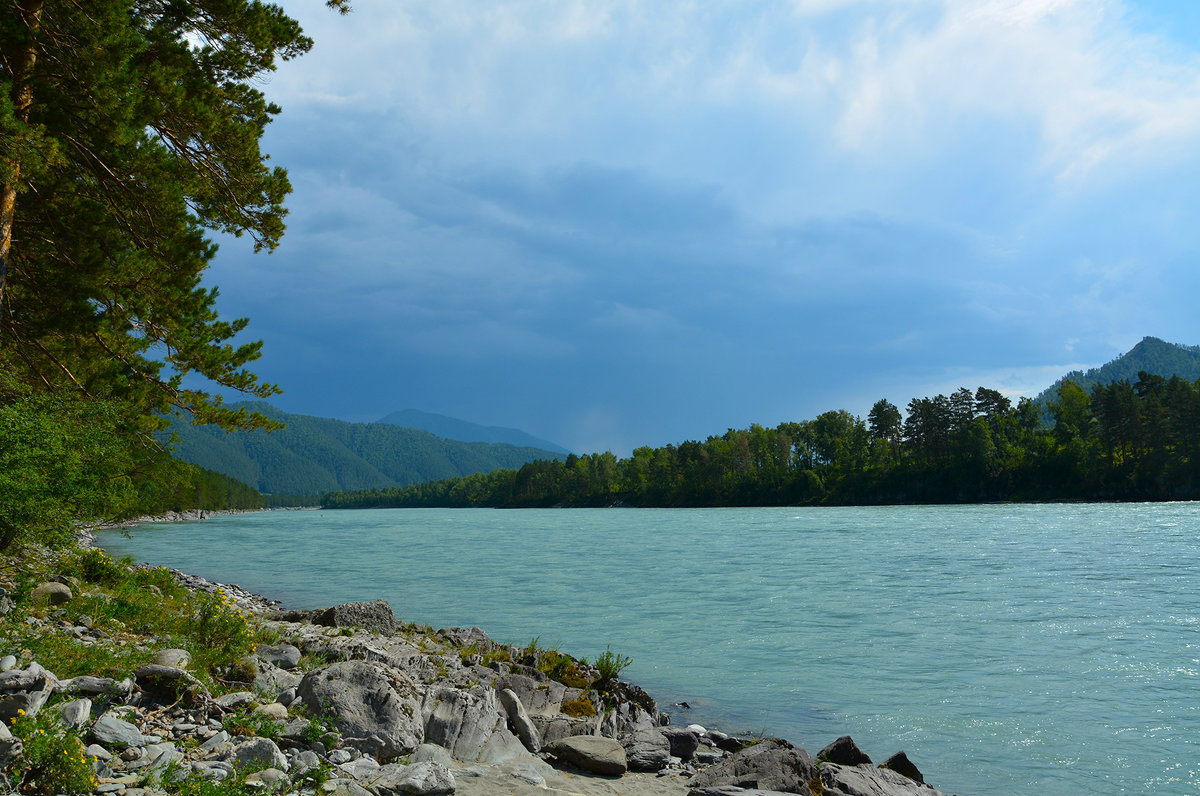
(453, 705)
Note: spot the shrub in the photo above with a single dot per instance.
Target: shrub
(54, 760)
(579, 708)
(610, 664)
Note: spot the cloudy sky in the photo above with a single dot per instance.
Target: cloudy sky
(625, 222)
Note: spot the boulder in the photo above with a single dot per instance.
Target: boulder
(772, 764)
(860, 780)
(234, 699)
(285, 656)
(375, 707)
(684, 741)
(472, 725)
(418, 779)
(75, 714)
(273, 711)
(732, 790)
(173, 657)
(844, 752)
(900, 763)
(112, 730)
(94, 686)
(260, 752)
(591, 753)
(375, 616)
(464, 637)
(647, 750)
(53, 593)
(519, 721)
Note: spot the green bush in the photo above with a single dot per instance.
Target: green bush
(53, 761)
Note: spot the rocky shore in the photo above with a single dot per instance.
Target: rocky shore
(351, 702)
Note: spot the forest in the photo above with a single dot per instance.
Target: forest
(1122, 441)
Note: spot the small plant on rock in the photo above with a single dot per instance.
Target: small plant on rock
(579, 708)
(610, 664)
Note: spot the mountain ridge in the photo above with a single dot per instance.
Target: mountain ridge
(313, 455)
(455, 428)
(1151, 355)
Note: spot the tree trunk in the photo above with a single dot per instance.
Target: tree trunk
(21, 63)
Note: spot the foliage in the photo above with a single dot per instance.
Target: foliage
(126, 604)
(579, 708)
(61, 460)
(314, 455)
(1121, 441)
(53, 761)
(247, 722)
(609, 664)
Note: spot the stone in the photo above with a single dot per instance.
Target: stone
(431, 753)
(344, 787)
(111, 730)
(173, 657)
(464, 637)
(772, 764)
(900, 763)
(732, 790)
(215, 741)
(684, 741)
(361, 768)
(647, 750)
(97, 751)
(10, 746)
(340, 756)
(268, 776)
(864, 780)
(471, 724)
(519, 721)
(214, 770)
(287, 696)
(844, 752)
(591, 753)
(375, 707)
(95, 686)
(273, 711)
(234, 700)
(53, 593)
(285, 656)
(75, 713)
(161, 755)
(8, 662)
(260, 752)
(418, 779)
(27, 702)
(375, 616)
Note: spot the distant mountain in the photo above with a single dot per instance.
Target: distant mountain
(313, 455)
(453, 428)
(1151, 355)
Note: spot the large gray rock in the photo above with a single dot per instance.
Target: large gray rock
(518, 719)
(285, 656)
(53, 593)
(375, 616)
(591, 753)
(862, 780)
(75, 714)
(471, 724)
(112, 730)
(770, 765)
(733, 790)
(86, 684)
(418, 779)
(260, 753)
(375, 708)
(647, 750)
(684, 741)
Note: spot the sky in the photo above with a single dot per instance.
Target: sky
(615, 223)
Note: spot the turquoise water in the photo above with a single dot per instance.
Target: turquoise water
(1032, 648)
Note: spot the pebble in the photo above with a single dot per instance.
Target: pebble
(8, 662)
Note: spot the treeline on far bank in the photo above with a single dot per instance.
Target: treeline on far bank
(1121, 441)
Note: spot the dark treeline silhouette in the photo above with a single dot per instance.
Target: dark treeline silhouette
(1121, 441)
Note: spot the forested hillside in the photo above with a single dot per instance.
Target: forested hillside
(1151, 355)
(312, 455)
(1122, 441)
(464, 431)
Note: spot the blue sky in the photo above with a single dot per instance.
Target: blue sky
(615, 223)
